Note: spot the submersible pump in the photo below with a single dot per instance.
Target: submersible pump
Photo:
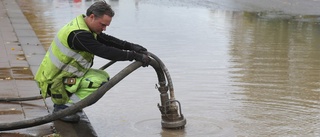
(170, 108)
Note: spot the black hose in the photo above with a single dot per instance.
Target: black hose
(107, 65)
(7, 99)
(20, 99)
(157, 64)
(91, 99)
(166, 72)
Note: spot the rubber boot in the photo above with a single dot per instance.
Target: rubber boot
(70, 118)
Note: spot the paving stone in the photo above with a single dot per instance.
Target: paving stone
(9, 37)
(35, 59)
(34, 69)
(28, 40)
(18, 63)
(13, 48)
(4, 64)
(21, 33)
(33, 49)
(22, 26)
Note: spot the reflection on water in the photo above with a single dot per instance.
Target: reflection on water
(5, 74)
(17, 73)
(235, 73)
(276, 64)
(46, 17)
(10, 111)
(15, 58)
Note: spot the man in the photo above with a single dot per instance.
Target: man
(66, 67)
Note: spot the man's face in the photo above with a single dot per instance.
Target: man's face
(98, 25)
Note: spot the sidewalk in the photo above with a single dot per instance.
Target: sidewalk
(20, 55)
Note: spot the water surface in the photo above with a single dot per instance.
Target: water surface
(239, 68)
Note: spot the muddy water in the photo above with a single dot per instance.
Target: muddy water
(236, 70)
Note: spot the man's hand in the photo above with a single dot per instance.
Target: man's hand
(137, 48)
(142, 58)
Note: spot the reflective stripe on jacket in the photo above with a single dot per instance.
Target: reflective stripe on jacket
(61, 61)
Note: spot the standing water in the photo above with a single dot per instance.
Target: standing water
(239, 68)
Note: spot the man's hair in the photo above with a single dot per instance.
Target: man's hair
(99, 9)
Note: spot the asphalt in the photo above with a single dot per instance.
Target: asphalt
(20, 55)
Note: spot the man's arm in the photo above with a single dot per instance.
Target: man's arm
(85, 41)
(114, 42)
(121, 44)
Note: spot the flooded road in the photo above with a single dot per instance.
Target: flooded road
(239, 68)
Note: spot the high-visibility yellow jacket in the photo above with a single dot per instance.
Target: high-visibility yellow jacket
(62, 62)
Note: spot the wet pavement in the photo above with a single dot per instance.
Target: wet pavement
(239, 68)
(20, 55)
(19, 49)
